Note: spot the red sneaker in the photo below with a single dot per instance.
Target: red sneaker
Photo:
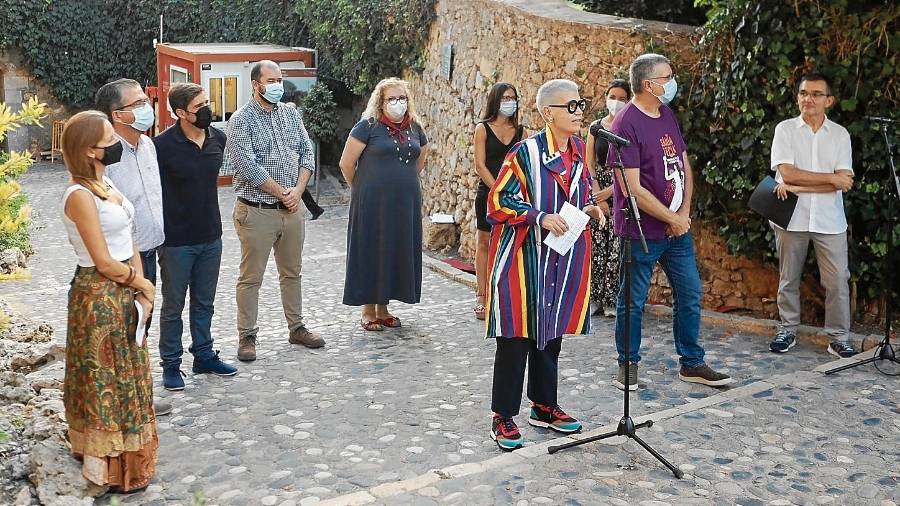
(553, 418)
(506, 433)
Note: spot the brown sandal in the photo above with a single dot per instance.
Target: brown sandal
(372, 326)
(390, 322)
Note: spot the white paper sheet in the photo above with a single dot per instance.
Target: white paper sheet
(576, 219)
(140, 331)
(442, 218)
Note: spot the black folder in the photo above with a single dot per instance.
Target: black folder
(765, 202)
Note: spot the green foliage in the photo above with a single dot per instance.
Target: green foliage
(75, 46)
(753, 53)
(14, 210)
(319, 113)
(673, 11)
(365, 42)
(14, 219)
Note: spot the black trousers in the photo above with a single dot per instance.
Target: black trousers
(509, 374)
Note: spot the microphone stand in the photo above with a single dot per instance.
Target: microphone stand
(626, 426)
(884, 350)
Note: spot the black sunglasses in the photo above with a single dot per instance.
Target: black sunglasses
(572, 105)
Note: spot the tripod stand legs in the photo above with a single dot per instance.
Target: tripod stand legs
(885, 353)
(677, 472)
(626, 428)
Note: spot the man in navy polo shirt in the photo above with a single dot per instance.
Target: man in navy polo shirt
(190, 155)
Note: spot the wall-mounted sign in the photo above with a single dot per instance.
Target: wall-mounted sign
(206, 66)
(447, 61)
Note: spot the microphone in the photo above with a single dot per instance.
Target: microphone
(597, 130)
(878, 119)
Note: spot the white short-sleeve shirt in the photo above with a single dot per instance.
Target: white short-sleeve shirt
(825, 151)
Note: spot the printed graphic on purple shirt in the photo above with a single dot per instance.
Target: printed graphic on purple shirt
(657, 150)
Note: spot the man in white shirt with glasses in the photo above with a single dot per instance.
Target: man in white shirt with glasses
(811, 156)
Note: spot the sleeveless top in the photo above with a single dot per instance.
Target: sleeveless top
(495, 151)
(601, 148)
(116, 222)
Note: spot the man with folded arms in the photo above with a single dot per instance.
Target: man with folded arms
(812, 158)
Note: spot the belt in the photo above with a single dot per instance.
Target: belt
(262, 205)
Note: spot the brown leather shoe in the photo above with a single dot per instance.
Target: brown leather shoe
(307, 338)
(247, 349)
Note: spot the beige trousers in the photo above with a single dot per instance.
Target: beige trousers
(260, 231)
(831, 255)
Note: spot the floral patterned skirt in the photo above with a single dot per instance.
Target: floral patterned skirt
(604, 265)
(108, 391)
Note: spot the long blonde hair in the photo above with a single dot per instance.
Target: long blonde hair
(374, 109)
(82, 132)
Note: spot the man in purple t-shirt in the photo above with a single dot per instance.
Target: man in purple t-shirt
(658, 172)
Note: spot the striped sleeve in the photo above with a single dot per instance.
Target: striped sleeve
(506, 201)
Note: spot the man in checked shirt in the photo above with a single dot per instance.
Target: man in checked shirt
(272, 157)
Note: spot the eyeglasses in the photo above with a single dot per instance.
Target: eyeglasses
(814, 95)
(134, 105)
(667, 78)
(573, 105)
(402, 99)
(509, 99)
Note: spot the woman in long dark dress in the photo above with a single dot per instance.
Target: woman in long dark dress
(495, 134)
(605, 253)
(382, 159)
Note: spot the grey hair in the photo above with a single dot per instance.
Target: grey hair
(551, 89)
(109, 96)
(642, 69)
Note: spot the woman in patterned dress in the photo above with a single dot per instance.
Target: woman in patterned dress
(107, 390)
(605, 252)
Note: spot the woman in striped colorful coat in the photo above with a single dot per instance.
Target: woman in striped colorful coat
(536, 295)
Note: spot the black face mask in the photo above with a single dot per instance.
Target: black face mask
(111, 154)
(204, 118)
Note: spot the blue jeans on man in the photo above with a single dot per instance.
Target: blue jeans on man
(676, 256)
(197, 267)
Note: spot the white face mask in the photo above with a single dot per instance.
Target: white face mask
(396, 111)
(614, 106)
(508, 108)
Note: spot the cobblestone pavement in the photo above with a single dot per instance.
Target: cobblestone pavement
(370, 417)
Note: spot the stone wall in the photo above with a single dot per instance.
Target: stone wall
(524, 42)
(734, 282)
(17, 84)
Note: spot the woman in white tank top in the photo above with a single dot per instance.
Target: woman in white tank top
(107, 391)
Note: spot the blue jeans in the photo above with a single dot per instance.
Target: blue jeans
(197, 267)
(148, 262)
(676, 255)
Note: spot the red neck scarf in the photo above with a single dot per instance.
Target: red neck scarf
(396, 129)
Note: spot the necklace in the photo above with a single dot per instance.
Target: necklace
(409, 149)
